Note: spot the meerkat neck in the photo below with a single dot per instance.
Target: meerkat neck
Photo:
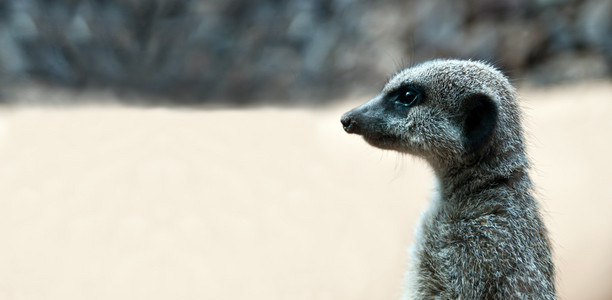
(510, 172)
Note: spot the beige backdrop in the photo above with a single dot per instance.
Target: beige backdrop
(109, 202)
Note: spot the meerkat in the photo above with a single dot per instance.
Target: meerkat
(482, 236)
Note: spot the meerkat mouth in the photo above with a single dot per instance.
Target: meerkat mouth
(382, 141)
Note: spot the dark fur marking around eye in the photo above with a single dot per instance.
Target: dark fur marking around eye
(407, 96)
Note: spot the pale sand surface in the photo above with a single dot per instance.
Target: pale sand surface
(109, 202)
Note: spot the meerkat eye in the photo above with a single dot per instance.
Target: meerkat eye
(407, 97)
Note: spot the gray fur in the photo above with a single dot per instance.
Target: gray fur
(482, 236)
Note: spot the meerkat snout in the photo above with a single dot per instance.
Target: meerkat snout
(349, 124)
(353, 120)
(482, 236)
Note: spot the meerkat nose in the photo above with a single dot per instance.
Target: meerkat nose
(348, 124)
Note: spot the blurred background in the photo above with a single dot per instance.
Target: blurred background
(241, 52)
(193, 149)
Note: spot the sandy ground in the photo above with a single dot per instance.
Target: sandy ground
(108, 202)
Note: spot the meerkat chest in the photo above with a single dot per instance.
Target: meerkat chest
(417, 248)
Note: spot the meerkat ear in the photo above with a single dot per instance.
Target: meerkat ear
(480, 120)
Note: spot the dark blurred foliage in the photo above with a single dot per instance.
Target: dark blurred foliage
(247, 51)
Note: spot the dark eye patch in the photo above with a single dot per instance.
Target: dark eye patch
(407, 96)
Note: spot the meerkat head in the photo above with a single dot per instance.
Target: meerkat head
(446, 111)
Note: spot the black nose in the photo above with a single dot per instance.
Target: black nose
(348, 123)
